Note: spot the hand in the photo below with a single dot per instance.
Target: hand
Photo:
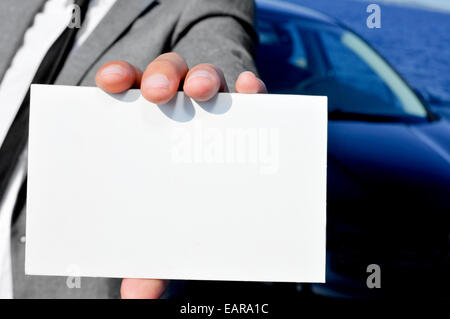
(158, 84)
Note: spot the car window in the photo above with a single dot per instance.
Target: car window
(346, 67)
(362, 72)
(282, 54)
(296, 57)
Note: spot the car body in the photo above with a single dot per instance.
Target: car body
(388, 188)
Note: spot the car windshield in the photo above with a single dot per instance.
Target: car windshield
(303, 57)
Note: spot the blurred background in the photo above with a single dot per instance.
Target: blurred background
(414, 37)
(388, 170)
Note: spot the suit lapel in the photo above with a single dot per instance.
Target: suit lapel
(15, 18)
(116, 21)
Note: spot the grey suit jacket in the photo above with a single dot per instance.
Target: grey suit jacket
(202, 31)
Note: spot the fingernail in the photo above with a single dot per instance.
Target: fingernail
(201, 74)
(157, 81)
(113, 70)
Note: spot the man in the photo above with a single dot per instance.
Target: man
(200, 46)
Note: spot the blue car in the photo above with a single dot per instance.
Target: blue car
(388, 195)
(388, 190)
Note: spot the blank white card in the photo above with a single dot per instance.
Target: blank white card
(230, 189)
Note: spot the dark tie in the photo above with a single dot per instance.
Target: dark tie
(16, 139)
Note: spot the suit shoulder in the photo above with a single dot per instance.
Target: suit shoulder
(242, 9)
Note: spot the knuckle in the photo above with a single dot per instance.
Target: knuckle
(174, 58)
(162, 64)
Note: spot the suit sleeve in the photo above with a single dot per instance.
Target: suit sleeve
(217, 32)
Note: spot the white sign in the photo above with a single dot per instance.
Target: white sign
(231, 189)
